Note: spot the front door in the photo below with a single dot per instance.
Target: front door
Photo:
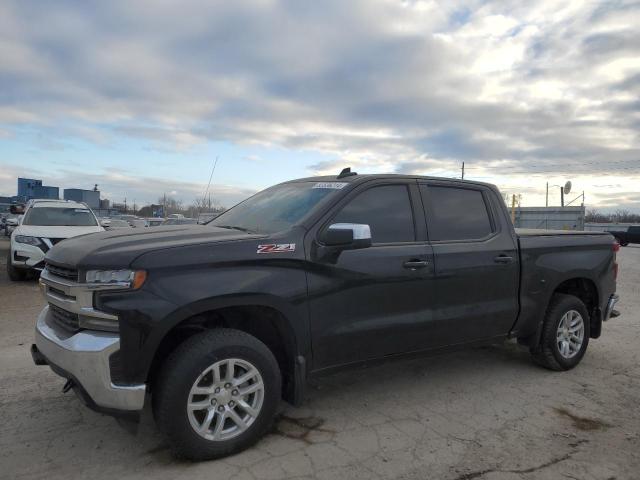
(375, 301)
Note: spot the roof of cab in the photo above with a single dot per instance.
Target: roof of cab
(359, 178)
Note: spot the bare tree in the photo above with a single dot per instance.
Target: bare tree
(619, 216)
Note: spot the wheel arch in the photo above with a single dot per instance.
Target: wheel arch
(586, 290)
(260, 316)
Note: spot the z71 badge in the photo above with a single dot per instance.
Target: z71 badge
(277, 248)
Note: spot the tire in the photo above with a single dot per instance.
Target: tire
(182, 373)
(15, 274)
(549, 352)
(624, 244)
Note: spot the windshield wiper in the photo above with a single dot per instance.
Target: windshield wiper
(234, 227)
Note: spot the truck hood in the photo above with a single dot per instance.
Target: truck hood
(55, 231)
(119, 248)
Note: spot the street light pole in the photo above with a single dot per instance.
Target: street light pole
(546, 203)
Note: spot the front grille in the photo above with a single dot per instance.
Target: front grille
(67, 320)
(63, 272)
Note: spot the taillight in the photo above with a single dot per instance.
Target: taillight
(616, 248)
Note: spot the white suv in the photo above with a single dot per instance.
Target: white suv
(45, 223)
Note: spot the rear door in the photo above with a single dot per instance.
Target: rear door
(476, 262)
(375, 301)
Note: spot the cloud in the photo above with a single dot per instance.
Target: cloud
(117, 185)
(513, 89)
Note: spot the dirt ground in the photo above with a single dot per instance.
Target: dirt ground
(485, 413)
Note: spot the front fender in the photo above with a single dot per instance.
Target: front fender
(171, 297)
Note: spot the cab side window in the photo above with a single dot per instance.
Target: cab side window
(455, 213)
(386, 209)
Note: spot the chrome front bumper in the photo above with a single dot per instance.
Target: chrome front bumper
(613, 299)
(84, 359)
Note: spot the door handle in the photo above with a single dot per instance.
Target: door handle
(415, 264)
(503, 259)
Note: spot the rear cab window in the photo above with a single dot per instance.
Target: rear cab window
(456, 213)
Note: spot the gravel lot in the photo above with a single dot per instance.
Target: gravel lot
(485, 413)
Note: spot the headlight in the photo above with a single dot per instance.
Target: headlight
(124, 278)
(35, 241)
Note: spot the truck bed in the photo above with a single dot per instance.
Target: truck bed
(550, 257)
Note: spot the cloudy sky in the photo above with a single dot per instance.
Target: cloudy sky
(140, 97)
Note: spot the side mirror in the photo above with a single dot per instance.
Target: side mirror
(347, 236)
(105, 223)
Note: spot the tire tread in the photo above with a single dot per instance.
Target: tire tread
(544, 353)
(172, 376)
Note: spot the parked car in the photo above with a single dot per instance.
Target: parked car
(206, 217)
(137, 222)
(154, 222)
(114, 224)
(219, 322)
(44, 224)
(625, 237)
(10, 224)
(127, 218)
(180, 221)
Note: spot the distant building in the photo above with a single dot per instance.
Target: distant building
(105, 203)
(29, 188)
(90, 197)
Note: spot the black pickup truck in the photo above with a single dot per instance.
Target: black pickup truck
(625, 237)
(214, 324)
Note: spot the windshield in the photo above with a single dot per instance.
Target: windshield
(59, 217)
(277, 208)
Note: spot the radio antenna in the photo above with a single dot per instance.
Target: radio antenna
(204, 196)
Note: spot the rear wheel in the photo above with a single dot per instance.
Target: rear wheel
(217, 394)
(15, 274)
(565, 334)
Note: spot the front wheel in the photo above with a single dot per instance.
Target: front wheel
(565, 334)
(217, 394)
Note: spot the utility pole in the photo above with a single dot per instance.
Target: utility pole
(462, 170)
(546, 203)
(562, 197)
(513, 209)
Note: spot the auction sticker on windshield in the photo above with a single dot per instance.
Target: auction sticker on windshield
(332, 185)
(277, 248)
